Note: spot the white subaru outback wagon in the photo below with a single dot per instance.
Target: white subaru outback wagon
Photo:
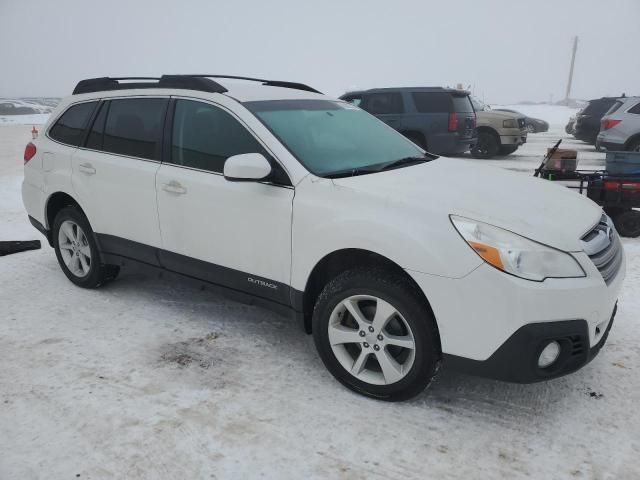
(394, 259)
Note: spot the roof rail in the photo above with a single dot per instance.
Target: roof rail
(189, 82)
(270, 83)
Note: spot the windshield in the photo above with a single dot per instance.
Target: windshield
(330, 137)
(478, 105)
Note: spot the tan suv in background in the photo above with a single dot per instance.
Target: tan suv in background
(499, 132)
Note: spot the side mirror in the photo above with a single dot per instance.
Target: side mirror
(247, 167)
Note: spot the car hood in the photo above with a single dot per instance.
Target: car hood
(497, 115)
(535, 208)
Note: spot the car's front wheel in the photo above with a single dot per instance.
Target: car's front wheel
(376, 335)
(77, 251)
(487, 145)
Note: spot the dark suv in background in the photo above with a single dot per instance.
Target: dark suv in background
(587, 124)
(440, 120)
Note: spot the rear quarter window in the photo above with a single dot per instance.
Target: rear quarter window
(432, 102)
(70, 127)
(635, 109)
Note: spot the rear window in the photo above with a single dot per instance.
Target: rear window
(614, 107)
(432, 102)
(635, 109)
(70, 126)
(462, 104)
(134, 127)
(598, 107)
(384, 103)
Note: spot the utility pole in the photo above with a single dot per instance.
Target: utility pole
(573, 61)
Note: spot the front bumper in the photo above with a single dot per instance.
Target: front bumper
(517, 139)
(479, 313)
(517, 359)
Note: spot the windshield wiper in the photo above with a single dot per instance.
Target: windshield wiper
(403, 162)
(351, 172)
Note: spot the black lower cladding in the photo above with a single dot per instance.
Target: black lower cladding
(42, 229)
(119, 250)
(517, 359)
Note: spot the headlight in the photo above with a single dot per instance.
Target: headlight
(510, 123)
(515, 254)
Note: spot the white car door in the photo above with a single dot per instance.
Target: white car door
(114, 175)
(235, 234)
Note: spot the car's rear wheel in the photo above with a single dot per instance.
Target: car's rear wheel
(486, 146)
(376, 335)
(77, 251)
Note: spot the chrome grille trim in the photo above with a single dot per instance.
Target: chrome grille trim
(603, 247)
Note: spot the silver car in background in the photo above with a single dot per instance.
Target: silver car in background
(620, 126)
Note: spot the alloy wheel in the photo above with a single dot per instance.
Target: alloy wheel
(74, 248)
(371, 340)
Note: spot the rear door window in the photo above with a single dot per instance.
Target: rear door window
(432, 102)
(134, 127)
(384, 103)
(96, 134)
(70, 127)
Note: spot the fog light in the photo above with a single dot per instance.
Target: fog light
(549, 355)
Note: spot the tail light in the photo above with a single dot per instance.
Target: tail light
(453, 121)
(608, 123)
(620, 185)
(29, 152)
(475, 120)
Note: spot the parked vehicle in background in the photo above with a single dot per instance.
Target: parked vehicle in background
(440, 120)
(620, 127)
(499, 133)
(534, 125)
(570, 126)
(588, 119)
(394, 259)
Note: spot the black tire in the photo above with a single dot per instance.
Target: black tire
(487, 145)
(403, 297)
(98, 273)
(531, 128)
(628, 223)
(508, 149)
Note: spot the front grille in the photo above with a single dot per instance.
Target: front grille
(521, 123)
(603, 246)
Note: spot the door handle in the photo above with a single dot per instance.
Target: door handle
(87, 168)
(174, 187)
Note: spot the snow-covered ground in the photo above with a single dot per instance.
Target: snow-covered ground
(153, 379)
(33, 119)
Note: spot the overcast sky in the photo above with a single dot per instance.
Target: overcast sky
(507, 50)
